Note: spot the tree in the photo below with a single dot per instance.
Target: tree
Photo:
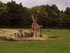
(67, 20)
(3, 8)
(3, 11)
(17, 14)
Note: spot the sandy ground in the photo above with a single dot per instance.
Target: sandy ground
(4, 33)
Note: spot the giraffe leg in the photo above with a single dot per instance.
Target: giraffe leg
(34, 34)
(38, 34)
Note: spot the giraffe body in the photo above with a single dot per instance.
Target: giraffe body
(35, 26)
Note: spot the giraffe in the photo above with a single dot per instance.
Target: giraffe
(35, 26)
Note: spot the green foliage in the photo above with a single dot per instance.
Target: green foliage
(13, 15)
(3, 11)
(3, 8)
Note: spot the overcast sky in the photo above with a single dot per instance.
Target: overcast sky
(61, 4)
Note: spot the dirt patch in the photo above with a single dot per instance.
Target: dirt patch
(8, 35)
(31, 38)
(54, 37)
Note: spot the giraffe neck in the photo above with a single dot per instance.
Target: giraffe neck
(33, 18)
(37, 17)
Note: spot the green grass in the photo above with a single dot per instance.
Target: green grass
(48, 46)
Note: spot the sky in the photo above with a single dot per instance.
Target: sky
(61, 4)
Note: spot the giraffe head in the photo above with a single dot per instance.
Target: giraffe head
(32, 17)
(38, 11)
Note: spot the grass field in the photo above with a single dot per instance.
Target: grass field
(47, 46)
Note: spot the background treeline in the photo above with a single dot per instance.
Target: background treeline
(13, 15)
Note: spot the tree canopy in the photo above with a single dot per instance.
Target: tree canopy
(13, 15)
